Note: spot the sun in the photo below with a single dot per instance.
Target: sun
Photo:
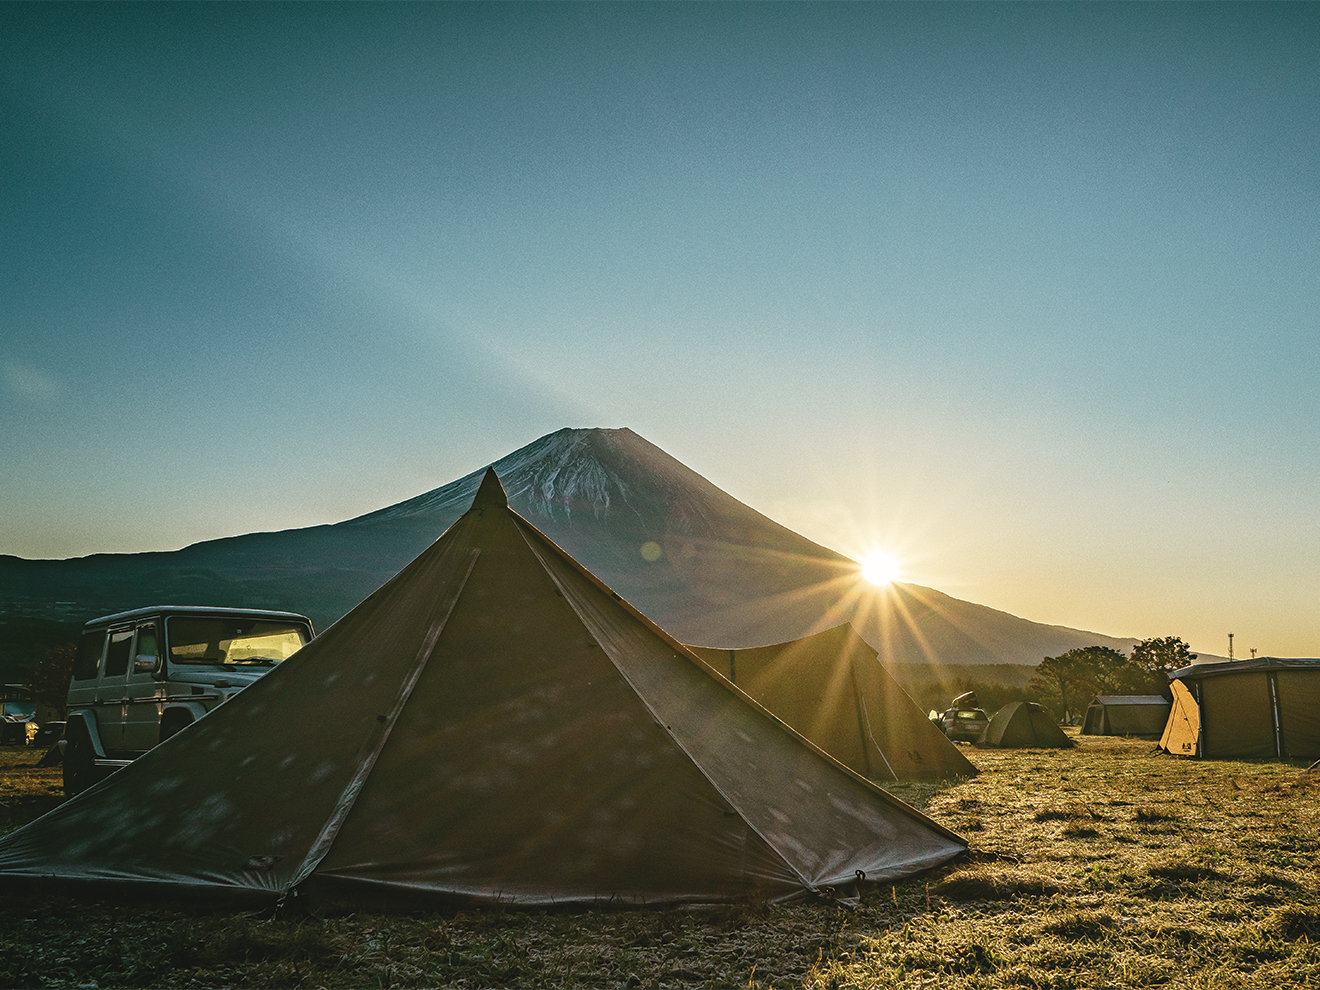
(880, 567)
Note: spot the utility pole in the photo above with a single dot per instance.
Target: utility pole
(1230, 646)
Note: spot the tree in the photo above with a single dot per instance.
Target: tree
(1152, 660)
(1106, 666)
(1056, 678)
(1074, 676)
(48, 681)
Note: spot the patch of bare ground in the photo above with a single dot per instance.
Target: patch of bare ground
(1107, 865)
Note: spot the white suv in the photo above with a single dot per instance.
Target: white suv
(141, 676)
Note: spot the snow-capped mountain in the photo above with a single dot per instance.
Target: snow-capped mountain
(701, 564)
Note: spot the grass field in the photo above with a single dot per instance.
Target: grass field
(1108, 865)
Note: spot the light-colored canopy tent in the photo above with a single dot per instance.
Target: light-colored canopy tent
(832, 689)
(1260, 708)
(491, 725)
(1126, 715)
(1182, 732)
(1024, 725)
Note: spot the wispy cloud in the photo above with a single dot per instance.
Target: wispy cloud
(29, 384)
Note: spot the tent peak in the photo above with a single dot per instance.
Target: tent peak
(491, 492)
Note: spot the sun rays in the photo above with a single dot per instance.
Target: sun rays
(880, 567)
(808, 593)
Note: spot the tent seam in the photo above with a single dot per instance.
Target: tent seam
(321, 847)
(866, 717)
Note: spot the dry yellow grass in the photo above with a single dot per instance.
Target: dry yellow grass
(1113, 865)
(1108, 865)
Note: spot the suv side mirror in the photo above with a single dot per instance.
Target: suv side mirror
(145, 664)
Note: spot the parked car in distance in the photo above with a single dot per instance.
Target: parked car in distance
(141, 676)
(963, 724)
(18, 722)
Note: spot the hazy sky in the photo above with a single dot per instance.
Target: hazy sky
(1030, 294)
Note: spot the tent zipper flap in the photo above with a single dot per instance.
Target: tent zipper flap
(371, 749)
(866, 719)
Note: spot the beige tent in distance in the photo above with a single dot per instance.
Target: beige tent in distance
(1182, 732)
(832, 689)
(492, 725)
(1263, 708)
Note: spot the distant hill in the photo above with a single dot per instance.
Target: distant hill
(701, 564)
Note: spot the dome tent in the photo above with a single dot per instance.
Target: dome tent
(1024, 725)
(832, 689)
(492, 725)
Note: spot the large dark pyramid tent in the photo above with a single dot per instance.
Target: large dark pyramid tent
(1024, 725)
(832, 689)
(495, 725)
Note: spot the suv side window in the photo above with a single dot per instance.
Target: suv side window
(147, 643)
(116, 657)
(88, 657)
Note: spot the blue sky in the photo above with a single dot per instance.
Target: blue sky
(1027, 293)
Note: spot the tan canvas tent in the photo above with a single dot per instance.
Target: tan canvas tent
(1126, 715)
(832, 689)
(1182, 732)
(1259, 708)
(491, 725)
(1024, 725)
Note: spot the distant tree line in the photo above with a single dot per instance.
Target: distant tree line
(25, 642)
(932, 687)
(48, 681)
(1067, 682)
(1064, 684)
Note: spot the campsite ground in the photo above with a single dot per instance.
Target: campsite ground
(1108, 865)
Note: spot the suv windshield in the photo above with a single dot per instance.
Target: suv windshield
(233, 640)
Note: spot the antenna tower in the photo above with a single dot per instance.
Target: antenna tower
(1230, 646)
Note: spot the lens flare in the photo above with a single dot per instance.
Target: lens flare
(881, 567)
